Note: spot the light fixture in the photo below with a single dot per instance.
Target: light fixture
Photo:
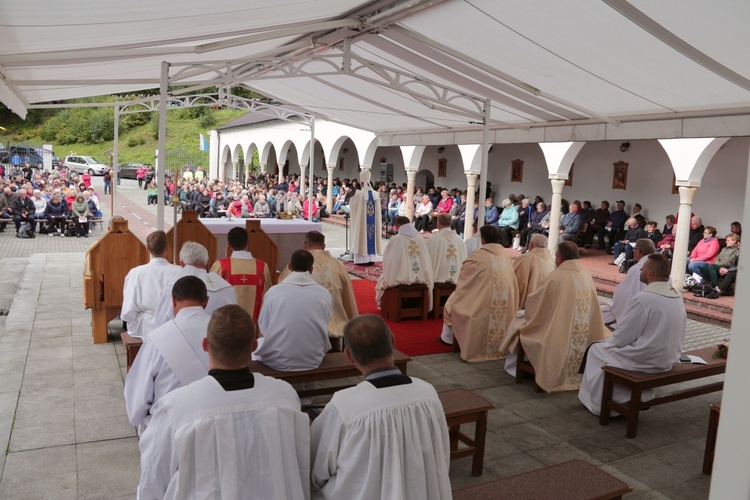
(624, 147)
(441, 149)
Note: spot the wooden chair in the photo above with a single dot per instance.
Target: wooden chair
(190, 228)
(261, 246)
(108, 261)
(406, 301)
(440, 294)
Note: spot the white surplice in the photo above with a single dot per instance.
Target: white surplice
(205, 442)
(406, 261)
(624, 293)
(447, 253)
(360, 207)
(220, 293)
(140, 294)
(648, 338)
(171, 357)
(294, 324)
(473, 244)
(388, 443)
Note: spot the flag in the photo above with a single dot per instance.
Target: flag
(203, 143)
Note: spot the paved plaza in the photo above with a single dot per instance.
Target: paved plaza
(66, 435)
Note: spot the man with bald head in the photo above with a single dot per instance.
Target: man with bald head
(648, 338)
(23, 210)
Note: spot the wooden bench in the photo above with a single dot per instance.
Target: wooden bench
(713, 427)
(132, 346)
(395, 303)
(462, 406)
(637, 382)
(573, 480)
(440, 294)
(334, 366)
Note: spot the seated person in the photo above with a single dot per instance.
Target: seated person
(40, 206)
(236, 206)
(570, 224)
(598, 220)
(726, 260)
(507, 222)
(491, 213)
(666, 244)
(648, 338)
(386, 437)
(444, 206)
(422, 214)
(532, 268)
(705, 251)
(561, 318)
(479, 313)
(447, 252)
(261, 208)
(633, 234)
(653, 233)
(172, 355)
(240, 431)
(630, 286)
(696, 232)
(288, 344)
(218, 205)
(309, 208)
(613, 226)
(23, 210)
(56, 213)
(534, 225)
(392, 209)
(406, 260)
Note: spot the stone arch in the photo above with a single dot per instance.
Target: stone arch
(424, 179)
(319, 168)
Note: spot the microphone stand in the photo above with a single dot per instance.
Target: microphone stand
(346, 253)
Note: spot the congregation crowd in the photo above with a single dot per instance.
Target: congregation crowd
(58, 202)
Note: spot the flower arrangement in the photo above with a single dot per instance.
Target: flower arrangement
(722, 351)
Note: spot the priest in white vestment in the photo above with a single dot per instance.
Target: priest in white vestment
(447, 252)
(231, 434)
(631, 285)
(649, 336)
(294, 320)
(194, 261)
(331, 274)
(143, 284)
(385, 438)
(479, 313)
(367, 220)
(532, 268)
(561, 319)
(172, 356)
(406, 260)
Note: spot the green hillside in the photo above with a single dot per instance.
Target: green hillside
(90, 132)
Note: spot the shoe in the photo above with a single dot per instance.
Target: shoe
(713, 295)
(85, 235)
(444, 342)
(78, 235)
(612, 264)
(51, 234)
(421, 231)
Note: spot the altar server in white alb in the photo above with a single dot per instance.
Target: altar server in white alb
(143, 284)
(385, 438)
(406, 260)
(194, 262)
(648, 338)
(172, 356)
(231, 434)
(294, 319)
(366, 222)
(447, 252)
(630, 286)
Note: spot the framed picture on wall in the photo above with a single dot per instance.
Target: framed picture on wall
(443, 167)
(675, 189)
(516, 171)
(569, 180)
(620, 175)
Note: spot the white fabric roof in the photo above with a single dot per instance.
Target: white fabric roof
(540, 63)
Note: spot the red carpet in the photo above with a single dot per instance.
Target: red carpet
(371, 273)
(413, 337)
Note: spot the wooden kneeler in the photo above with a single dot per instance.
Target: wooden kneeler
(393, 307)
(440, 294)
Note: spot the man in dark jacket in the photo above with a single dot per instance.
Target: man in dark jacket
(23, 210)
(633, 234)
(696, 232)
(6, 207)
(613, 227)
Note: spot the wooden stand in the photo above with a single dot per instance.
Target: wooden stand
(393, 302)
(108, 261)
(463, 407)
(713, 427)
(190, 228)
(440, 294)
(132, 346)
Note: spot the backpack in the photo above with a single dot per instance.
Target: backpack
(626, 265)
(24, 231)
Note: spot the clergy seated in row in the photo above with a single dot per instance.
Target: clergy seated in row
(143, 284)
(406, 260)
(628, 287)
(250, 277)
(562, 317)
(648, 338)
(385, 438)
(367, 220)
(294, 319)
(172, 356)
(447, 251)
(479, 313)
(194, 262)
(532, 268)
(331, 274)
(231, 434)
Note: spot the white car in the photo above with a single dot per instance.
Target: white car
(83, 164)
